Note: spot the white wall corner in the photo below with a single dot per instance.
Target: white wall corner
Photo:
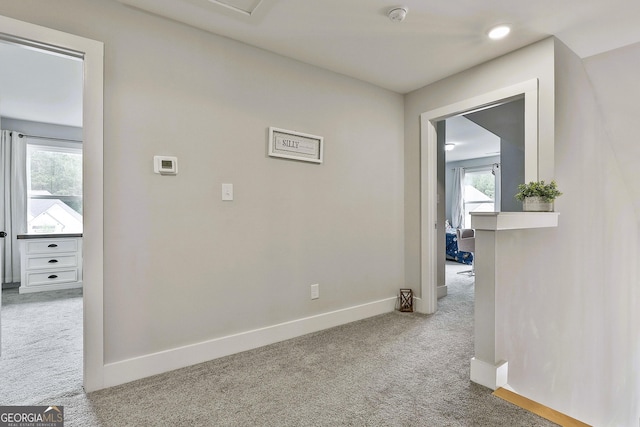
(489, 375)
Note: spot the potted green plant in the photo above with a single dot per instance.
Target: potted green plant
(537, 196)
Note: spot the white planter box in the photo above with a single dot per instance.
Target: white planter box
(536, 204)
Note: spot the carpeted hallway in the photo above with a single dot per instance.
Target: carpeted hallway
(41, 346)
(397, 369)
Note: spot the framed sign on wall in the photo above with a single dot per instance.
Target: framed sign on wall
(288, 144)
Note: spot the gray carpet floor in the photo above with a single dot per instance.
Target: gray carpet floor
(397, 369)
(41, 346)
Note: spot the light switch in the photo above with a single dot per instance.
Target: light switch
(227, 191)
(315, 291)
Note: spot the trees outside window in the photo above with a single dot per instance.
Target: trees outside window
(479, 193)
(54, 183)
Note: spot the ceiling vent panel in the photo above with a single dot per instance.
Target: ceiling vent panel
(205, 14)
(246, 7)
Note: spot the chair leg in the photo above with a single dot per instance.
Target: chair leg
(468, 272)
(471, 272)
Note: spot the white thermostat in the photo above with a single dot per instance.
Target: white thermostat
(165, 165)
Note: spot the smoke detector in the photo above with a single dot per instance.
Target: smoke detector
(397, 14)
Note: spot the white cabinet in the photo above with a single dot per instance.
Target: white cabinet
(50, 263)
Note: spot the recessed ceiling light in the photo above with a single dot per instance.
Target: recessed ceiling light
(499, 32)
(449, 146)
(397, 14)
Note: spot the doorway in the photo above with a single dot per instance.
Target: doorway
(91, 54)
(432, 174)
(41, 122)
(484, 161)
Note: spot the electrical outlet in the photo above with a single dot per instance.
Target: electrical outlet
(315, 291)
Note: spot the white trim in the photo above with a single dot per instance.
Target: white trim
(164, 361)
(54, 145)
(418, 304)
(488, 375)
(429, 169)
(92, 53)
(49, 287)
(496, 221)
(443, 291)
(429, 216)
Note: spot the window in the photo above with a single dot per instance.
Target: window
(480, 192)
(54, 188)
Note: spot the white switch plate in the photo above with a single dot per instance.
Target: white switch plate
(227, 191)
(315, 291)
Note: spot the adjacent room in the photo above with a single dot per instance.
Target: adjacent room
(484, 160)
(41, 316)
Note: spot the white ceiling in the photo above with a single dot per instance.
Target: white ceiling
(437, 38)
(352, 37)
(471, 141)
(41, 87)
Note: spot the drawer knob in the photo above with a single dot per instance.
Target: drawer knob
(53, 261)
(53, 276)
(53, 245)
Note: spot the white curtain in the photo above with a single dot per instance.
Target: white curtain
(457, 198)
(13, 214)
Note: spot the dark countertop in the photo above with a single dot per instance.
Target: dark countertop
(48, 236)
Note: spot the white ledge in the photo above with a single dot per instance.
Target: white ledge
(513, 220)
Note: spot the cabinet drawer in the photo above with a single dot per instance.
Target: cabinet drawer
(51, 246)
(48, 277)
(53, 261)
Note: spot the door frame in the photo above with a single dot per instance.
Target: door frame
(428, 302)
(92, 53)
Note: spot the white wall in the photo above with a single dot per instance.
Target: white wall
(469, 163)
(572, 342)
(535, 61)
(617, 90)
(183, 267)
(567, 326)
(36, 129)
(613, 76)
(594, 366)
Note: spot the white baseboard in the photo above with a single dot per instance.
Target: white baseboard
(489, 375)
(156, 363)
(442, 291)
(45, 288)
(418, 305)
